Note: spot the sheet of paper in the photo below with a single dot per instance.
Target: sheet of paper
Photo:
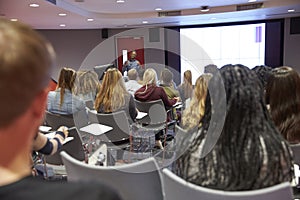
(96, 129)
(141, 115)
(45, 128)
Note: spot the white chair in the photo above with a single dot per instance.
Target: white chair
(175, 188)
(135, 181)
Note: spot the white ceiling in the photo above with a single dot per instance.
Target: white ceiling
(109, 14)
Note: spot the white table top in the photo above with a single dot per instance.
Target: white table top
(96, 129)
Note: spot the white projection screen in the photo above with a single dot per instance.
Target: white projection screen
(236, 44)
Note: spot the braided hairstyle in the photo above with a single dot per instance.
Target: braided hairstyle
(250, 153)
(263, 72)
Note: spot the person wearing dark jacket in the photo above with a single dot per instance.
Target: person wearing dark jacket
(150, 92)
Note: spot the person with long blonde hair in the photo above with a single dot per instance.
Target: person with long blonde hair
(113, 95)
(63, 100)
(194, 113)
(150, 92)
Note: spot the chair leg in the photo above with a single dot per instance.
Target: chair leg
(45, 168)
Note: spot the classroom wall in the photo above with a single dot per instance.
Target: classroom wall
(84, 49)
(71, 46)
(291, 50)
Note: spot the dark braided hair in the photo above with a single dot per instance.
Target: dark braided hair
(249, 153)
(263, 72)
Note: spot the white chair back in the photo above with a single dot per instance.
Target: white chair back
(175, 188)
(135, 181)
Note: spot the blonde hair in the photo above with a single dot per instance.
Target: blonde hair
(149, 78)
(66, 80)
(132, 74)
(194, 113)
(86, 82)
(112, 93)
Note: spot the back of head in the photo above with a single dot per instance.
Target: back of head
(263, 72)
(248, 142)
(283, 95)
(150, 77)
(66, 79)
(193, 114)
(132, 74)
(187, 75)
(112, 92)
(26, 61)
(211, 68)
(166, 76)
(141, 73)
(86, 82)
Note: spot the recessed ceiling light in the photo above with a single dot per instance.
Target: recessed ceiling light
(120, 1)
(291, 10)
(34, 5)
(145, 22)
(204, 9)
(90, 19)
(62, 25)
(62, 14)
(213, 18)
(158, 9)
(13, 20)
(251, 1)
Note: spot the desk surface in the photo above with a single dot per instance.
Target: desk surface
(96, 129)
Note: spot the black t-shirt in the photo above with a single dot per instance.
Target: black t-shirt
(31, 188)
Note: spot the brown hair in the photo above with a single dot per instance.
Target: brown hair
(111, 96)
(166, 76)
(187, 84)
(66, 80)
(283, 95)
(26, 60)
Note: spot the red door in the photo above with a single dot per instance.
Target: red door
(127, 44)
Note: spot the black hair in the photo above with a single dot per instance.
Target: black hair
(249, 153)
(263, 72)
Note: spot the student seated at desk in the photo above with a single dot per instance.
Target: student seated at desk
(150, 92)
(62, 100)
(113, 95)
(245, 153)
